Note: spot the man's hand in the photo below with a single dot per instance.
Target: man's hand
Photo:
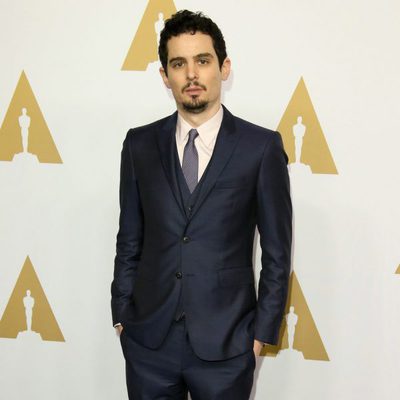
(257, 347)
(119, 328)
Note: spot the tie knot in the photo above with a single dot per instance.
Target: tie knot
(192, 135)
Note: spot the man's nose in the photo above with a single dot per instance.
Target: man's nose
(192, 71)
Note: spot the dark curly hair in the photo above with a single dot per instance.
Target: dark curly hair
(186, 21)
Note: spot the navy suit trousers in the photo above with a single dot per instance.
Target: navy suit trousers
(173, 370)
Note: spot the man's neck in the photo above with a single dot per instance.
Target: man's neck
(195, 120)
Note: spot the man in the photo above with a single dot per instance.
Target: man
(193, 188)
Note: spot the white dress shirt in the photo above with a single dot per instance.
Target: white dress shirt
(204, 142)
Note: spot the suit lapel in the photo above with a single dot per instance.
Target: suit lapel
(167, 149)
(225, 144)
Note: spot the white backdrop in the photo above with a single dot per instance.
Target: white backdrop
(64, 215)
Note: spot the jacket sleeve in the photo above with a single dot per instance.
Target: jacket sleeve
(274, 221)
(130, 234)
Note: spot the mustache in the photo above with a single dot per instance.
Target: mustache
(194, 83)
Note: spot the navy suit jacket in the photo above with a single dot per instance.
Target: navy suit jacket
(161, 249)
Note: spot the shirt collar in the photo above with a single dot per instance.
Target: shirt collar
(207, 131)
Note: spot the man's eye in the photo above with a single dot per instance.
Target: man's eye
(203, 61)
(177, 64)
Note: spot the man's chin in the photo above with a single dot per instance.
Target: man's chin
(195, 107)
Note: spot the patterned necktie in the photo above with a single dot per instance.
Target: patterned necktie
(190, 162)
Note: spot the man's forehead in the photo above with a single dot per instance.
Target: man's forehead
(190, 45)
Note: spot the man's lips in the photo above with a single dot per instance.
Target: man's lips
(194, 90)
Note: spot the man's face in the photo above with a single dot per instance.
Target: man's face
(193, 71)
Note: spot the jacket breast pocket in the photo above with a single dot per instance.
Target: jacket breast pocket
(236, 276)
(236, 183)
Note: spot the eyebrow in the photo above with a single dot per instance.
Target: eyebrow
(201, 55)
(197, 56)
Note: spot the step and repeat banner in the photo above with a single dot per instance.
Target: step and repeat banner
(75, 76)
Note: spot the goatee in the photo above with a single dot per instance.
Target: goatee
(195, 107)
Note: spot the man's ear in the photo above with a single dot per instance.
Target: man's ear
(226, 69)
(164, 77)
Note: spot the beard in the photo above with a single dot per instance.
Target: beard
(195, 106)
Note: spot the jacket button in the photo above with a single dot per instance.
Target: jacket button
(178, 275)
(186, 239)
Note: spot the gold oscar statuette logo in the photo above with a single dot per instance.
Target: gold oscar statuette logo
(299, 336)
(24, 135)
(28, 315)
(144, 47)
(302, 135)
(398, 270)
